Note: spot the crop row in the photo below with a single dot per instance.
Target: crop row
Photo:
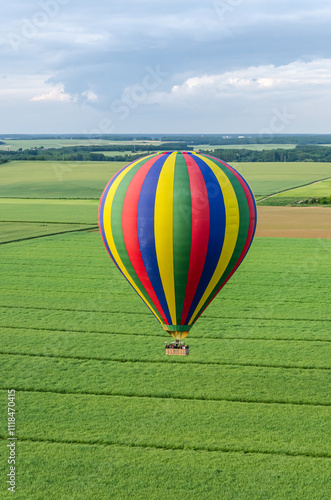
(174, 424)
(167, 380)
(269, 353)
(139, 473)
(145, 324)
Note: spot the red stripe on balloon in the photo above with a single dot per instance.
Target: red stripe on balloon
(250, 234)
(130, 231)
(199, 232)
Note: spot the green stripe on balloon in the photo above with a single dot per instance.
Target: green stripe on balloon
(182, 230)
(177, 328)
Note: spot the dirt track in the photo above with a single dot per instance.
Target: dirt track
(293, 222)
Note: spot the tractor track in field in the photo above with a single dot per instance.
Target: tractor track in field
(147, 313)
(185, 447)
(177, 398)
(129, 295)
(292, 189)
(165, 361)
(61, 330)
(48, 234)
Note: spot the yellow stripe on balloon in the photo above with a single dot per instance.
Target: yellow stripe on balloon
(231, 231)
(163, 229)
(109, 234)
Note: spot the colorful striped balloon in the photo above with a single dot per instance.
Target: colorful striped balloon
(177, 225)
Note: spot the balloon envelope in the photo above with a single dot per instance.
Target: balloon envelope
(177, 225)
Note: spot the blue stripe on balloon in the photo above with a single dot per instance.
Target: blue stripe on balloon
(216, 231)
(146, 235)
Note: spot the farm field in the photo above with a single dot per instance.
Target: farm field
(49, 210)
(15, 144)
(267, 178)
(48, 179)
(87, 361)
(289, 222)
(10, 231)
(22, 218)
(103, 412)
(322, 188)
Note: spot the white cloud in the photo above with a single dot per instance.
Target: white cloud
(298, 76)
(90, 95)
(54, 95)
(58, 94)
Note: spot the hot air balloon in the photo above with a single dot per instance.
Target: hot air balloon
(177, 225)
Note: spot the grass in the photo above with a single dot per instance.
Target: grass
(268, 178)
(319, 189)
(121, 347)
(292, 197)
(247, 384)
(15, 144)
(11, 232)
(33, 179)
(243, 409)
(47, 179)
(49, 210)
(139, 473)
(283, 201)
(204, 425)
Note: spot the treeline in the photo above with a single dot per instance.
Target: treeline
(89, 153)
(55, 155)
(96, 153)
(299, 153)
(172, 146)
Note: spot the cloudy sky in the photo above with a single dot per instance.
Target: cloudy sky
(173, 66)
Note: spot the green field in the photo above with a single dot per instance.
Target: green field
(49, 210)
(87, 361)
(22, 218)
(294, 197)
(33, 179)
(15, 144)
(48, 179)
(103, 413)
(268, 178)
(318, 189)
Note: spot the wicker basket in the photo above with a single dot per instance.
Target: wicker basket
(178, 352)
